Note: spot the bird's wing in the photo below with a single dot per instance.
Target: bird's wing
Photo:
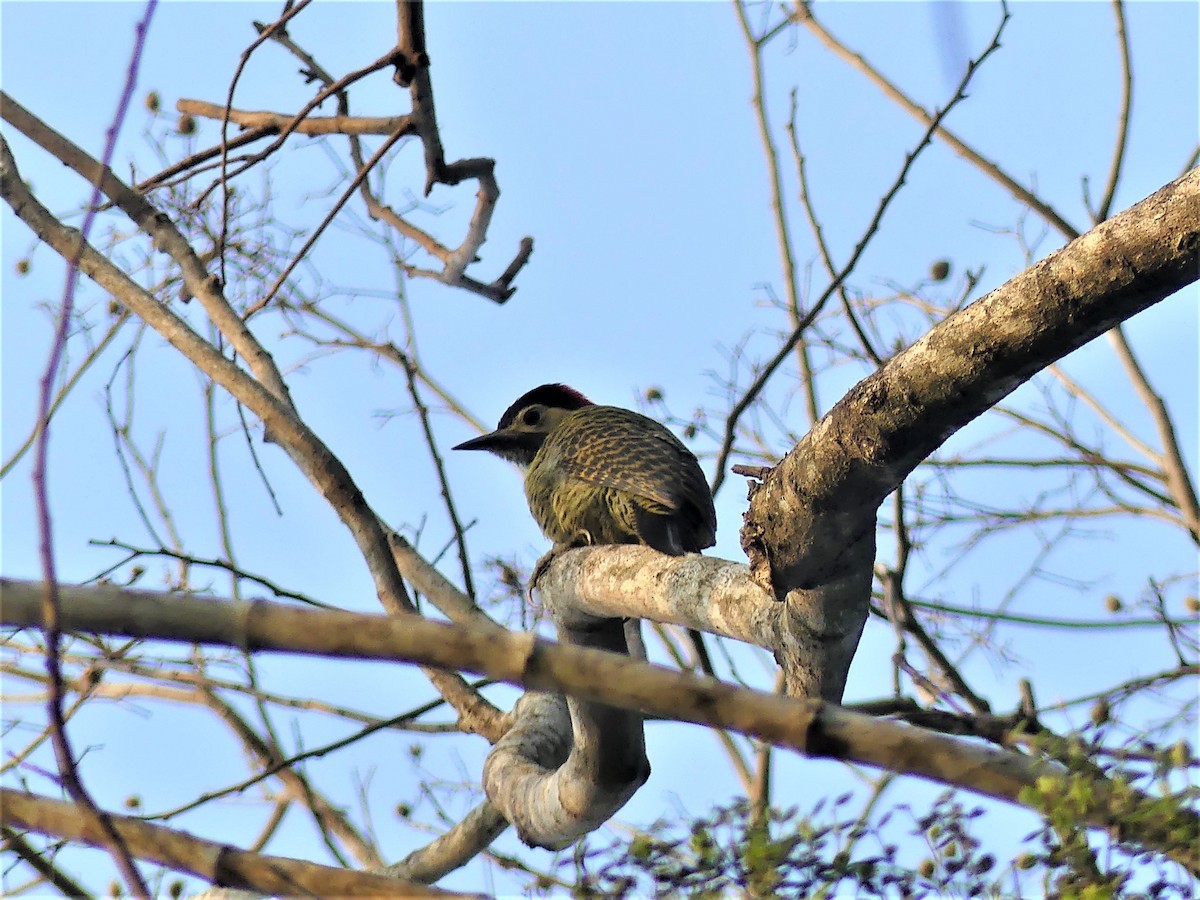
(626, 451)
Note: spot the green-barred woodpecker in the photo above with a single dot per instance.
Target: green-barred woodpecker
(604, 475)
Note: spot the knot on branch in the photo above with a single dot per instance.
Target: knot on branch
(408, 66)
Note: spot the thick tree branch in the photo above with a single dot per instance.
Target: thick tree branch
(563, 768)
(694, 591)
(811, 727)
(520, 773)
(809, 532)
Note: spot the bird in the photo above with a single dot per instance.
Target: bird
(604, 475)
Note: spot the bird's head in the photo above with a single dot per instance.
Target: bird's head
(524, 426)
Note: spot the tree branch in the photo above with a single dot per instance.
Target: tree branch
(218, 863)
(809, 533)
(324, 470)
(812, 727)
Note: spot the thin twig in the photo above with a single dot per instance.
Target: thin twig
(783, 236)
(68, 385)
(456, 525)
(14, 843)
(803, 14)
(1178, 480)
(63, 753)
(769, 368)
(1123, 116)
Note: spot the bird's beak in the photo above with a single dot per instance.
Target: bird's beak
(516, 446)
(495, 441)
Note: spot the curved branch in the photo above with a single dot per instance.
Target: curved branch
(469, 837)
(810, 529)
(412, 72)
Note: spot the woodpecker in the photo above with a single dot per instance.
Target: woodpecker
(604, 475)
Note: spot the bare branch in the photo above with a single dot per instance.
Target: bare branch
(14, 843)
(469, 837)
(217, 863)
(809, 726)
(309, 453)
(833, 481)
(166, 237)
(839, 278)
(1179, 482)
(804, 15)
(1124, 114)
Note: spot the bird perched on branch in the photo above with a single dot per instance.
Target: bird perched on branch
(604, 475)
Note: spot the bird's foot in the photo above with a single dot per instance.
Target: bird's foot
(540, 567)
(582, 539)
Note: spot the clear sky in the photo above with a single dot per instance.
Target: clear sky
(626, 146)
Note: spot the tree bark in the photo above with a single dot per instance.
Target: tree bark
(812, 727)
(809, 532)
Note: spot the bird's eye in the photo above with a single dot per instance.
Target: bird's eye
(531, 417)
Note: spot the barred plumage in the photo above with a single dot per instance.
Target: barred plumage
(605, 475)
(602, 474)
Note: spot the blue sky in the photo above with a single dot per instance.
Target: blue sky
(626, 145)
